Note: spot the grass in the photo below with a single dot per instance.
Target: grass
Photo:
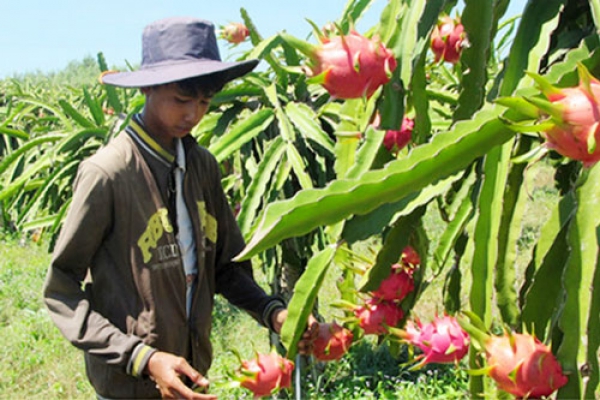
(38, 363)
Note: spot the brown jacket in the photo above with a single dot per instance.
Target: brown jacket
(119, 234)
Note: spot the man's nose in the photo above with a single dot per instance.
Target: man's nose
(192, 113)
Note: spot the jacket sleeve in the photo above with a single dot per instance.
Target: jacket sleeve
(235, 280)
(88, 222)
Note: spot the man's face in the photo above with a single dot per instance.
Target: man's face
(169, 113)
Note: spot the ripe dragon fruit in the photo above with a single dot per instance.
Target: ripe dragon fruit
(448, 39)
(400, 283)
(523, 366)
(266, 373)
(410, 256)
(574, 117)
(235, 32)
(375, 315)
(348, 66)
(442, 340)
(332, 342)
(396, 140)
(397, 286)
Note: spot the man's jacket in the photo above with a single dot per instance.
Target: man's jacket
(116, 286)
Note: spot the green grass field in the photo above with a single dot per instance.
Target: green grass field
(37, 363)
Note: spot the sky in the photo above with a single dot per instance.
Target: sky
(45, 35)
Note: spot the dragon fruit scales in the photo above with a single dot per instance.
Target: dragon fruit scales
(572, 117)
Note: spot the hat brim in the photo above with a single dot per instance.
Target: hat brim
(167, 73)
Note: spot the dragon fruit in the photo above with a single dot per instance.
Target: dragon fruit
(397, 286)
(332, 342)
(396, 140)
(448, 39)
(442, 340)
(375, 315)
(523, 366)
(348, 66)
(266, 373)
(410, 256)
(235, 32)
(573, 117)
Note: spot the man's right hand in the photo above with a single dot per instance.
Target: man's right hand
(166, 369)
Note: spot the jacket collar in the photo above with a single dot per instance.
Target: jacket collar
(137, 131)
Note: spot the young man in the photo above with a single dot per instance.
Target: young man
(150, 236)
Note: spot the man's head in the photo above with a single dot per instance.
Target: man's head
(173, 109)
(177, 49)
(181, 71)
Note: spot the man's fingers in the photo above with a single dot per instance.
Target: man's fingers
(184, 368)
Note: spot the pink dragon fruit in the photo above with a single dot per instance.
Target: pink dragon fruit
(266, 373)
(397, 286)
(448, 39)
(410, 257)
(235, 32)
(375, 315)
(574, 117)
(400, 283)
(332, 342)
(348, 66)
(396, 140)
(523, 366)
(442, 340)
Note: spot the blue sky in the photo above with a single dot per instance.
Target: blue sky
(45, 35)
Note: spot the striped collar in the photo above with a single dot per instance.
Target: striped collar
(136, 130)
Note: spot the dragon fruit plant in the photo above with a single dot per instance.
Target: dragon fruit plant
(571, 117)
(235, 32)
(441, 341)
(265, 374)
(448, 39)
(332, 342)
(348, 66)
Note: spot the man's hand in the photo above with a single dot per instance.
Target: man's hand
(305, 345)
(165, 369)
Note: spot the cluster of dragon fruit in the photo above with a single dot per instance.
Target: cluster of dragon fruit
(353, 66)
(518, 362)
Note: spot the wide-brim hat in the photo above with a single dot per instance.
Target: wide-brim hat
(178, 48)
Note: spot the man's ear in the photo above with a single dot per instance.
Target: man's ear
(145, 90)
